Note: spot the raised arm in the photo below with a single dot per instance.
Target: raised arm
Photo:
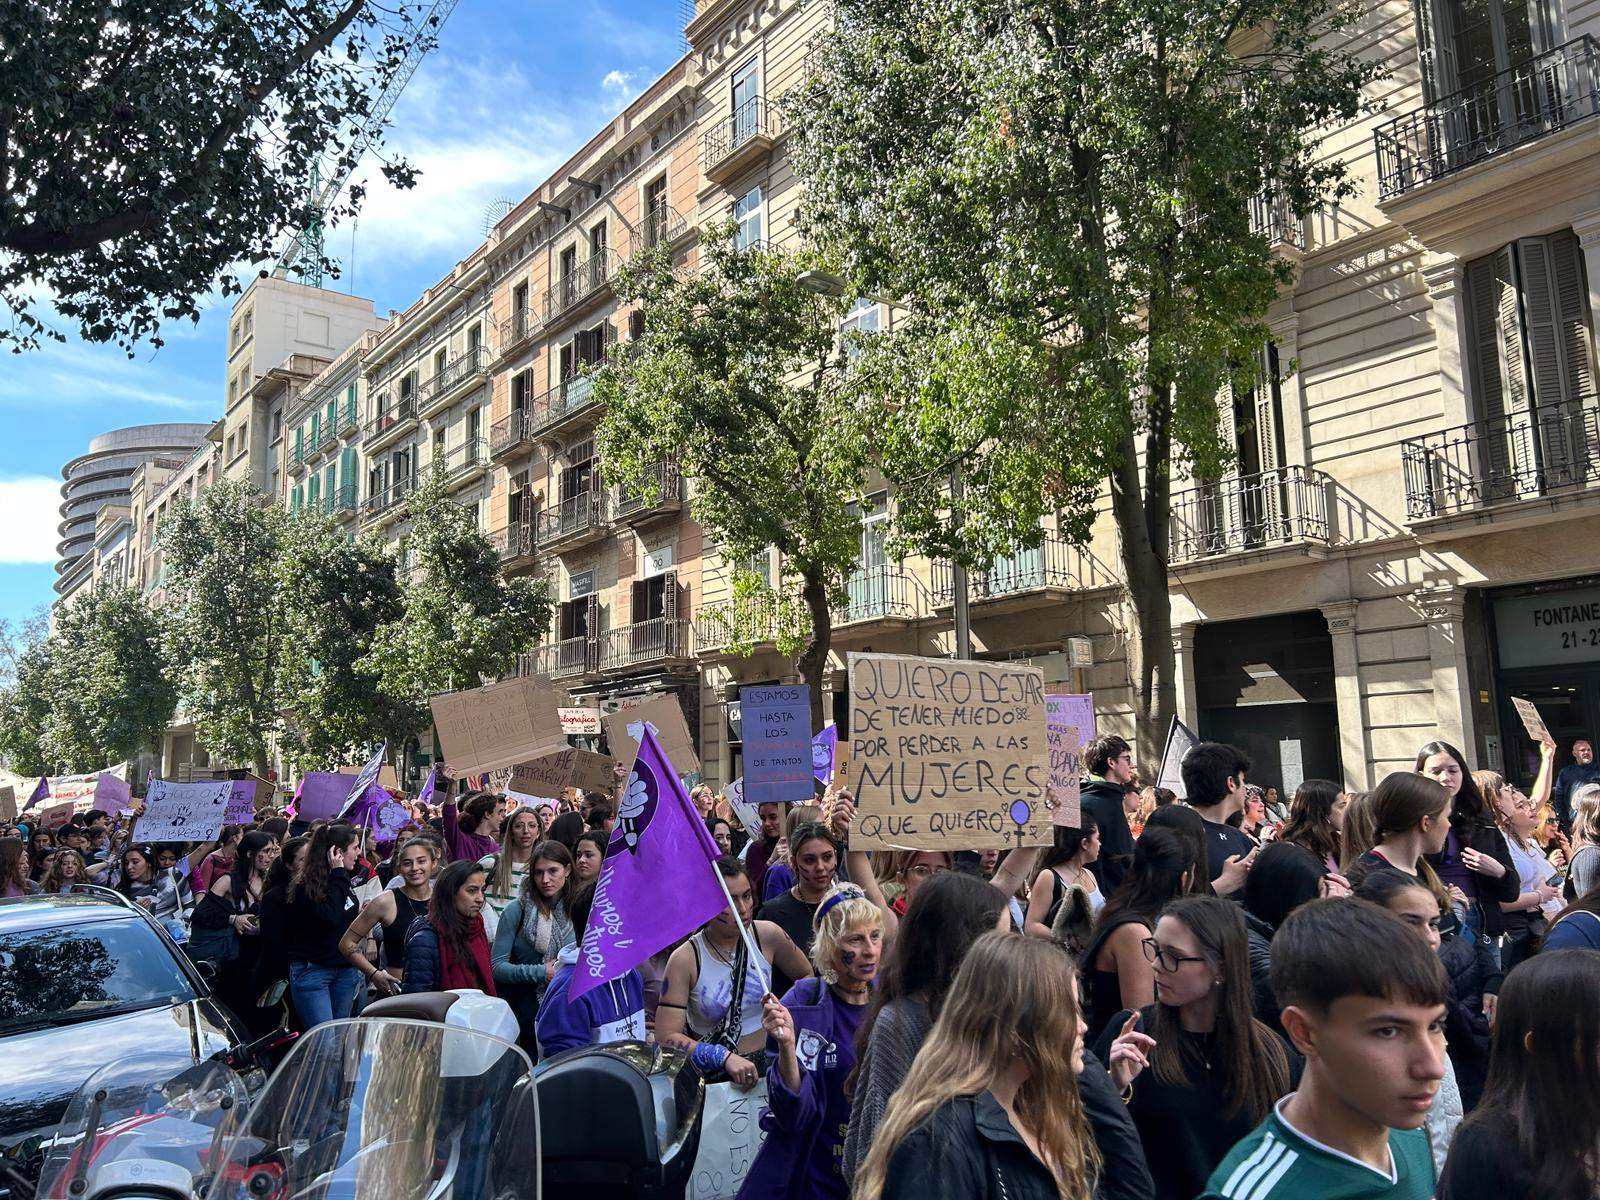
(379, 910)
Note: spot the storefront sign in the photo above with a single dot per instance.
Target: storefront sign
(579, 721)
(1550, 629)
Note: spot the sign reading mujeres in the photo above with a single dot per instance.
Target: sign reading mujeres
(947, 754)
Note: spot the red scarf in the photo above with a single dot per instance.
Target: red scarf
(473, 971)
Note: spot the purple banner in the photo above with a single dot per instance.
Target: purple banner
(659, 850)
(822, 753)
(322, 795)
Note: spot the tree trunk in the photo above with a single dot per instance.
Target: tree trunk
(262, 766)
(813, 660)
(1152, 666)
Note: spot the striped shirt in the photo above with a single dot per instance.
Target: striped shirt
(1277, 1162)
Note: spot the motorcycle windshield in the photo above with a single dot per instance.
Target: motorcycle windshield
(389, 1110)
(148, 1124)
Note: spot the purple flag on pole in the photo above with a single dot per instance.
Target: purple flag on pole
(425, 796)
(659, 851)
(369, 773)
(41, 791)
(822, 753)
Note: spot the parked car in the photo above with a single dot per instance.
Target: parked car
(85, 980)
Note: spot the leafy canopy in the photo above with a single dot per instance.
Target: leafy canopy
(147, 147)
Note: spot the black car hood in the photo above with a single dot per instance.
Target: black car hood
(45, 1068)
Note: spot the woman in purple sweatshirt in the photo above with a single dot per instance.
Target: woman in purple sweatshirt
(466, 831)
(612, 1012)
(811, 1038)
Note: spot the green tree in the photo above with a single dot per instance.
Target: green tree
(25, 707)
(1062, 193)
(110, 685)
(343, 593)
(147, 147)
(462, 621)
(739, 377)
(229, 617)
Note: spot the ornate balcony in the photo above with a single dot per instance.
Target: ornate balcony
(572, 522)
(515, 331)
(458, 377)
(664, 225)
(384, 504)
(391, 423)
(1053, 568)
(1273, 219)
(514, 542)
(557, 411)
(655, 643)
(589, 280)
(465, 463)
(1274, 509)
(880, 594)
(737, 140)
(511, 435)
(345, 502)
(662, 498)
(753, 621)
(1549, 454)
(1531, 100)
(565, 659)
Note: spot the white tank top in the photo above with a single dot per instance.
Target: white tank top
(708, 999)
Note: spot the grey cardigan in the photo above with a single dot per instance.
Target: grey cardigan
(898, 1033)
(514, 958)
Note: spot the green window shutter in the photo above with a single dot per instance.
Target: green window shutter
(316, 427)
(350, 404)
(294, 499)
(330, 492)
(299, 442)
(313, 490)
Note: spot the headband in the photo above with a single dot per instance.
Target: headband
(847, 891)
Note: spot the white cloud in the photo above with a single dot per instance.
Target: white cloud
(78, 375)
(618, 84)
(31, 504)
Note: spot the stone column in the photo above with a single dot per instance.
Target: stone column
(1444, 277)
(1183, 657)
(1587, 228)
(1353, 759)
(1443, 606)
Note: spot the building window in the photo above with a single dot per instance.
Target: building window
(747, 215)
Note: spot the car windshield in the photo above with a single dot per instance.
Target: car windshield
(69, 973)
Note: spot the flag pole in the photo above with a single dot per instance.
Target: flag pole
(760, 959)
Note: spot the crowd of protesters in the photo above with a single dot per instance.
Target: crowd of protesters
(1236, 994)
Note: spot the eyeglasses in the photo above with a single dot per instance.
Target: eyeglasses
(1168, 960)
(923, 870)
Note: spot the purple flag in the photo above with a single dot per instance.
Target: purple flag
(369, 773)
(822, 753)
(322, 795)
(41, 791)
(425, 796)
(660, 850)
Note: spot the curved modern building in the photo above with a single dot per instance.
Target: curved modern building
(102, 476)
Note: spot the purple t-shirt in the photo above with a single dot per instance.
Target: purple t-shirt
(1447, 865)
(462, 845)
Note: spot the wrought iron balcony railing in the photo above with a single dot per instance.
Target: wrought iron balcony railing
(645, 643)
(571, 397)
(752, 621)
(1054, 564)
(1248, 512)
(752, 122)
(570, 518)
(586, 279)
(513, 541)
(402, 411)
(878, 594)
(1531, 100)
(666, 491)
(392, 495)
(516, 328)
(469, 365)
(559, 660)
(1545, 452)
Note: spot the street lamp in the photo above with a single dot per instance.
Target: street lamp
(825, 283)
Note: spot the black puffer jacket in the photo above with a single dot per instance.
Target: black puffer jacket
(1263, 997)
(967, 1150)
(1471, 966)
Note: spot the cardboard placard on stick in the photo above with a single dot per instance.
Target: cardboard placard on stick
(947, 754)
(549, 774)
(665, 714)
(1531, 720)
(184, 812)
(1066, 774)
(56, 815)
(8, 803)
(497, 726)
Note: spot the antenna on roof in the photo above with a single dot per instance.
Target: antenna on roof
(493, 212)
(686, 14)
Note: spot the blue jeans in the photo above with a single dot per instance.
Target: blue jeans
(322, 993)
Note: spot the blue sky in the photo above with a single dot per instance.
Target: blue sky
(511, 90)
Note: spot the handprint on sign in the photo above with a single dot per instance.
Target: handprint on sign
(638, 805)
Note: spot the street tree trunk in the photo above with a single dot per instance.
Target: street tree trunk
(1142, 521)
(813, 660)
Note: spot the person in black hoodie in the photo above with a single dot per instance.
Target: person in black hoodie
(1109, 760)
(1283, 877)
(319, 908)
(990, 1108)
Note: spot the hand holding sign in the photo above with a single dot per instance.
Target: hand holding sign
(185, 812)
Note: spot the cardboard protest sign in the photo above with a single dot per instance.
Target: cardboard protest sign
(497, 726)
(730, 1136)
(184, 812)
(322, 795)
(387, 779)
(56, 814)
(242, 802)
(8, 803)
(1073, 709)
(665, 715)
(1531, 720)
(742, 808)
(547, 775)
(111, 794)
(1066, 766)
(1180, 740)
(947, 754)
(776, 726)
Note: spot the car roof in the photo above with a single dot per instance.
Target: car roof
(48, 912)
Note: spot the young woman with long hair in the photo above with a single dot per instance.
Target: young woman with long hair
(1466, 1037)
(1474, 858)
(533, 930)
(320, 906)
(1410, 817)
(1063, 867)
(811, 1045)
(711, 1006)
(1189, 827)
(1116, 973)
(449, 948)
(1583, 866)
(588, 853)
(220, 861)
(393, 910)
(1316, 817)
(990, 1107)
(1527, 917)
(1533, 1133)
(67, 869)
(272, 968)
(229, 915)
(1214, 1071)
(469, 825)
(1357, 835)
(14, 863)
(163, 892)
(519, 834)
(41, 844)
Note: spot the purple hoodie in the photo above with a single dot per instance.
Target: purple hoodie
(461, 845)
(612, 1012)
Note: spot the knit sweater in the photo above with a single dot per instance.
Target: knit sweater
(898, 1033)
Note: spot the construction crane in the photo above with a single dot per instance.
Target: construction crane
(302, 253)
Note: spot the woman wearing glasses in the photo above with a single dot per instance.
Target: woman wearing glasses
(1517, 815)
(914, 871)
(1198, 1070)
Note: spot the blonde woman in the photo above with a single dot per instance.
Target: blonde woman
(811, 1037)
(519, 834)
(1002, 1060)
